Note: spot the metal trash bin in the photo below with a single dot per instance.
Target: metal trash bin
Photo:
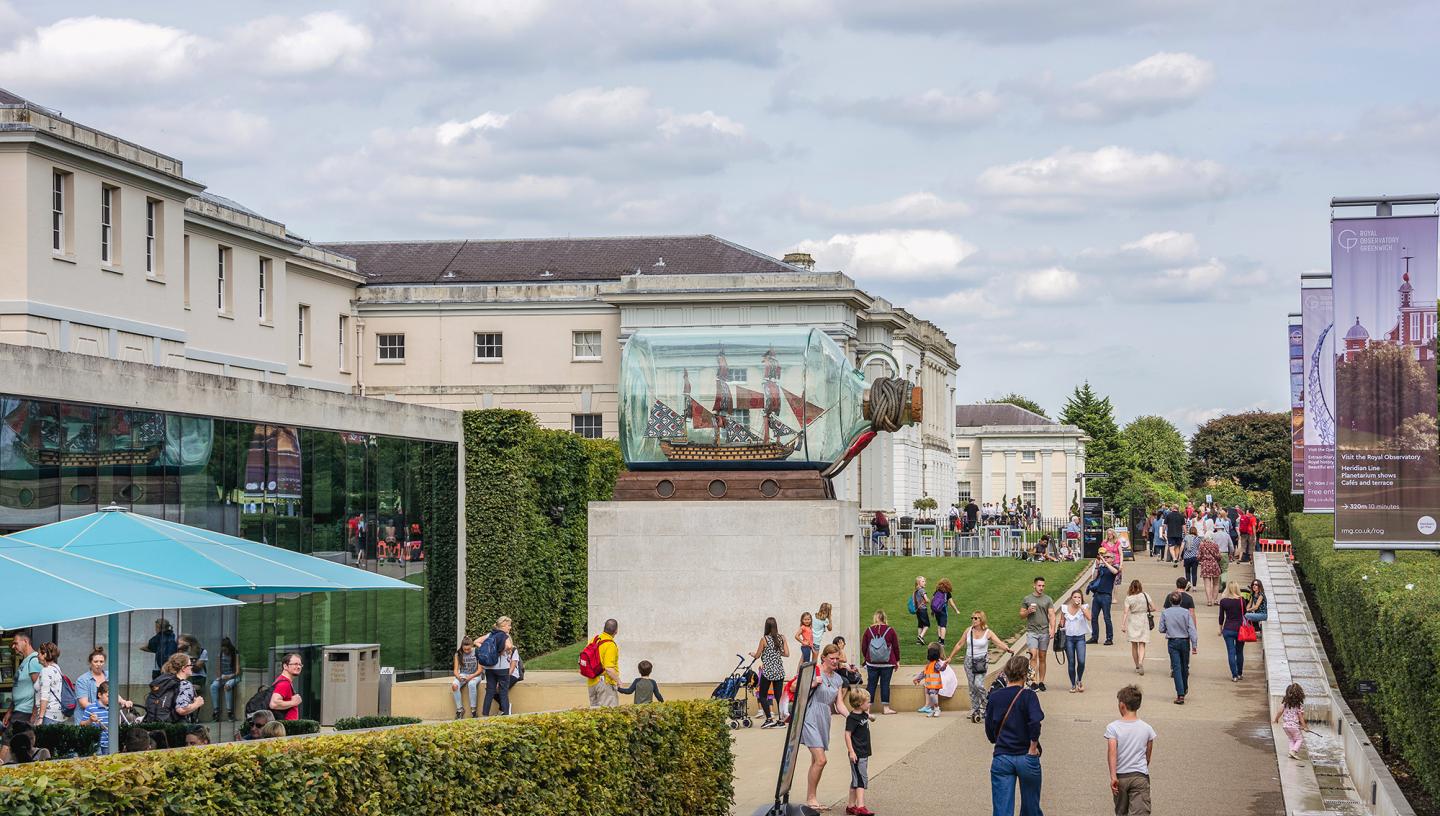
(350, 685)
(387, 684)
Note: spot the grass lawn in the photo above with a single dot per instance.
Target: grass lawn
(992, 584)
(562, 659)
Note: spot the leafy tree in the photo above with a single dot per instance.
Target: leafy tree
(1106, 451)
(1144, 491)
(1380, 388)
(1158, 449)
(1025, 402)
(1245, 447)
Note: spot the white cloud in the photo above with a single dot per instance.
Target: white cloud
(1168, 246)
(1158, 83)
(324, 41)
(909, 210)
(1402, 127)
(199, 130)
(531, 32)
(1213, 279)
(931, 110)
(1055, 284)
(1016, 20)
(88, 53)
(968, 305)
(892, 254)
(1076, 180)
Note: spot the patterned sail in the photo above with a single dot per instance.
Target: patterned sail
(664, 422)
(780, 429)
(738, 434)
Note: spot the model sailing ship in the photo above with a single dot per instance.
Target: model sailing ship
(733, 439)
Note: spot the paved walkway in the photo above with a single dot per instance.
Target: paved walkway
(1214, 754)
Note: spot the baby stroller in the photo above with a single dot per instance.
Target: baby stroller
(736, 688)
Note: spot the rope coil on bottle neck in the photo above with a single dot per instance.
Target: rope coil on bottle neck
(889, 397)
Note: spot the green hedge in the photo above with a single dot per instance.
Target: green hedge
(668, 758)
(527, 491)
(357, 723)
(1384, 620)
(68, 739)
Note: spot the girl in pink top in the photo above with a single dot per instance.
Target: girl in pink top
(805, 635)
(1292, 717)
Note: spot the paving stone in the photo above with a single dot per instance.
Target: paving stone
(1305, 669)
(1298, 640)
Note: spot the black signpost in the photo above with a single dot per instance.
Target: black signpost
(1092, 525)
(791, 754)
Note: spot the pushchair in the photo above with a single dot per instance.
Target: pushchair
(736, 688)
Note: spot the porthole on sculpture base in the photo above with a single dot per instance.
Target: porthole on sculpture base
(769, 488)
(717, 488)
(665, 489)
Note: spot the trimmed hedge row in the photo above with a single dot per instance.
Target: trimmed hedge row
(1384, 620)
(667, 758)
(358, 723)
(68, 739)
(526, 525)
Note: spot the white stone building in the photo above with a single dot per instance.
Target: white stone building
(1003, 451)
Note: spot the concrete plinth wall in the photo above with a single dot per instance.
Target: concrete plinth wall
(691, 582)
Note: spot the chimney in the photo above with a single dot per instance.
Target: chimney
(800, 259)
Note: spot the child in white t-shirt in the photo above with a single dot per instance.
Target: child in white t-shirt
(1130, 741)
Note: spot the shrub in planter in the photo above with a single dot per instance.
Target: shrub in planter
(662, 759)
(357, 723)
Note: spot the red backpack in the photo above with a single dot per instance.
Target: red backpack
(590, 665)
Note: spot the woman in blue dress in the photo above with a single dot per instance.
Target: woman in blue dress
(825, 701)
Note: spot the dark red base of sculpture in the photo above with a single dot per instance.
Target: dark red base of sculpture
(722, 485)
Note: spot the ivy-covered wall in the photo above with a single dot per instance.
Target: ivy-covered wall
(527, 489)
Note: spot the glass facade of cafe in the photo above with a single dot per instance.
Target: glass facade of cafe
(381, 503)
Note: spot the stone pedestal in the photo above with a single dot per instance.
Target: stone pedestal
(691, 582)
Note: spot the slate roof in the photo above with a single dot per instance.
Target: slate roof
(999, 413)
(7, 98)
(566, 259)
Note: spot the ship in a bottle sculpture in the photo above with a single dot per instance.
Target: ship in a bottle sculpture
(748, 400)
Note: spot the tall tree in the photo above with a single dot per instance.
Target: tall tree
(1106, 451)
(1021, 400)
(1246, 447)
(1157, 448)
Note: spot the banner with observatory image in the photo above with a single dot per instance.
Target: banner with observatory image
(1387, 491)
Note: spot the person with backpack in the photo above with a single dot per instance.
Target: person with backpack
(600, 666)
(941, 603)
(494, 656)
(49, 709)
(919, 606)
(172, 697)
(284, 699)
(881, 647)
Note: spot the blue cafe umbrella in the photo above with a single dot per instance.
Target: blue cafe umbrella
(197, 558)
(200, 558)
(44, 586)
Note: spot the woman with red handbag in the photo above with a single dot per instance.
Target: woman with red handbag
(1232, 619)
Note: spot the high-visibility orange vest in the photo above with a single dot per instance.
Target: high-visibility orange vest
(932, 676)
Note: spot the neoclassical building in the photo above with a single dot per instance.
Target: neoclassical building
(1003, 451)
(539, 325)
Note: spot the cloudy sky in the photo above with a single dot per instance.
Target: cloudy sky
(1123, 191)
